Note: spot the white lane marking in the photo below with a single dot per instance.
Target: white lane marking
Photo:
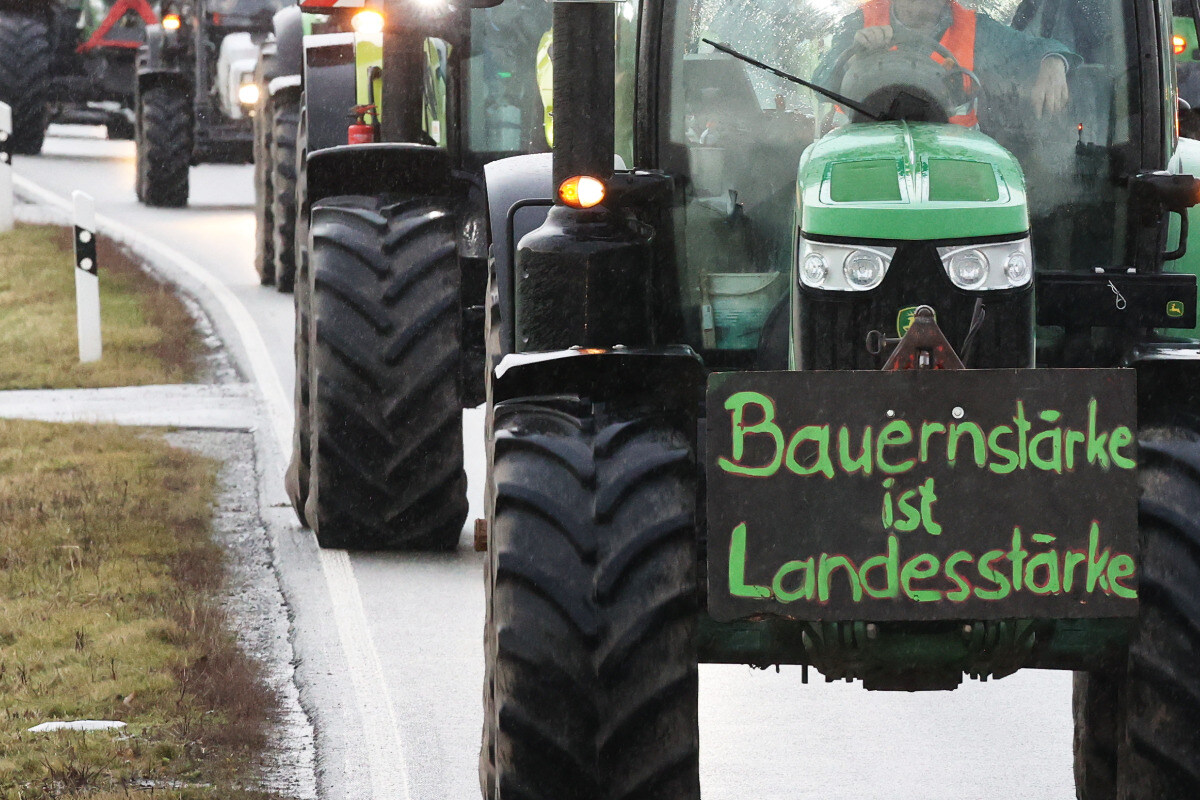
(386, 755)
(361, 647)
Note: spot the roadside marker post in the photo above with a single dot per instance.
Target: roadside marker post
(87, 278)
(6, 181)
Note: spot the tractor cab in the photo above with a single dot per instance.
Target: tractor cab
(956, 178)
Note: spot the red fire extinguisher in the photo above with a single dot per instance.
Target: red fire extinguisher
(362, 132)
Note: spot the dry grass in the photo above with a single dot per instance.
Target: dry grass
(107, 574)
(149, 337)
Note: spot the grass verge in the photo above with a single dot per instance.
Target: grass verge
(107, 611)
(149, 337)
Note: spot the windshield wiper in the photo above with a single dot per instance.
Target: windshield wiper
(832, 95)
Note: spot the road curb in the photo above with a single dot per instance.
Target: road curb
(183, 405)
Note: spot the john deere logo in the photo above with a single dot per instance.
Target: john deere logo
(904, 319)
(1175, 308)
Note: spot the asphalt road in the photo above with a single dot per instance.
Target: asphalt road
(408, 727)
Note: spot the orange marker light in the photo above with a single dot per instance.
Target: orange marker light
(1178, 44)
(582, 191)
(171, 22)
(367, 22)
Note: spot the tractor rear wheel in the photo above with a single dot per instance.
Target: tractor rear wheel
(1136, 733)
(25, 78)
(264, 231)
(386, 446)
(297, 477)
(285, 116)
(593, 604)
(164, 145)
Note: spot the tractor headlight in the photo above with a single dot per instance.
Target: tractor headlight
(814, 270)
(248, 94)
(862, 266)
(864, 269)
(1003, 265)
(968, 269)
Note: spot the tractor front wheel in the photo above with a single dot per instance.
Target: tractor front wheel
(386, 444)
(285, 116)
(592, 605)
(297, 477)
(25, 78)
(164, 145)
(264, 226)
(1136, 735)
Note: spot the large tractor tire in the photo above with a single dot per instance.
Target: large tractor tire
(264, 225)
(285, 116)
(593, 605)
(164, 145)
(386, 457)
(25, 78)
(1136, 734)
(297, 477)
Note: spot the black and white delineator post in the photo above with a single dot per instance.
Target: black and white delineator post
(6, 181)
(87, 280)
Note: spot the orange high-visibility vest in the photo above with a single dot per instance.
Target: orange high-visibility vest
(959, 39)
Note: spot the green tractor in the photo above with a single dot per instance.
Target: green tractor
(400, 112)
(880, 359)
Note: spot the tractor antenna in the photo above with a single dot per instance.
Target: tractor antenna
(832, 95)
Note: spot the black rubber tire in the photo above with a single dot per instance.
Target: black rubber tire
(264, 225)
(1137, 735)
(164, 145)
(297, 477)
(594, 605)
(120, 129)
(1096, 703)
(285, 118)
(25, 78)
(301, 242)
(487, 747)
(386, 458)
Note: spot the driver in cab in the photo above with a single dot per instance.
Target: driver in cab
(978, 42)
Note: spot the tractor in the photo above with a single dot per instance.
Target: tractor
(70, 61)
(399, 116)
(279, 77)
(196, 92)
(877, 358)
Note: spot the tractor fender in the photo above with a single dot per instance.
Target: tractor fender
(374, 169)
(519, 192)
(150, 54)
(674, 376)
(1168, 381)
(330, 86)
(287, 65)
(149, 78)
(153, 63)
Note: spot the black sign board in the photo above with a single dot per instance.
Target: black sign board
(922, 495)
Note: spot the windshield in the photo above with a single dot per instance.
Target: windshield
(511, 73)
(1052, 81)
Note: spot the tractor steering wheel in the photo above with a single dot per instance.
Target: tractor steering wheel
(906, 43)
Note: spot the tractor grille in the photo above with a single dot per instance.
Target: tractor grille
(832, 327)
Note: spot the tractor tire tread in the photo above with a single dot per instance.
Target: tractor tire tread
(25, 63)
(386, 447)
(593, 662)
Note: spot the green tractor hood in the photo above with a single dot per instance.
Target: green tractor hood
(915, 181)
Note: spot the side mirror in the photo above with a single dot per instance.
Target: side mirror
(1155, 194)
